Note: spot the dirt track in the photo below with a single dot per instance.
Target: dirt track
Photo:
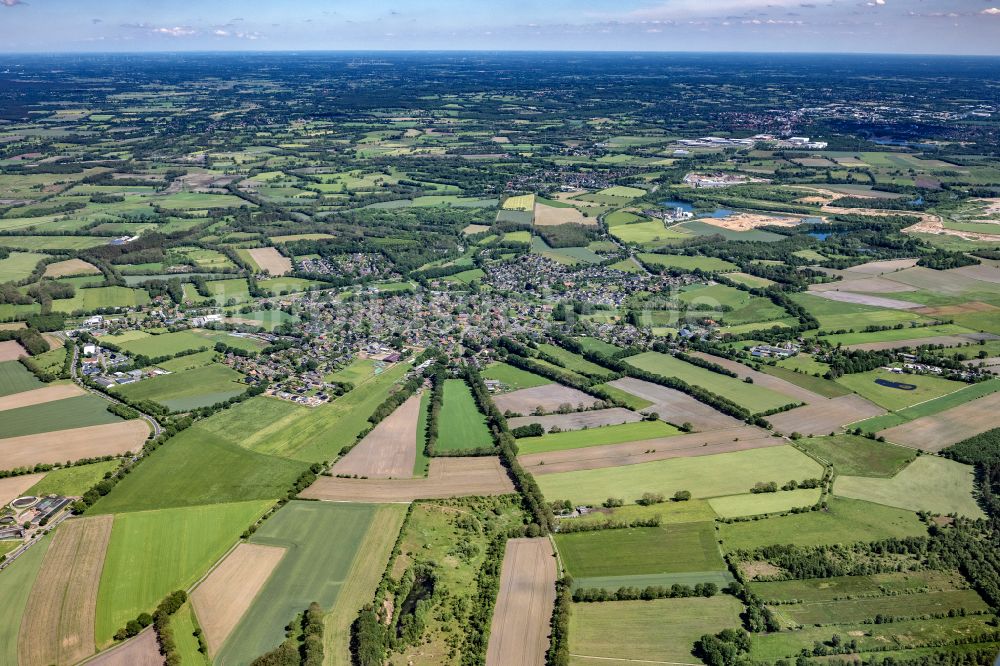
(143, 650)
(58, 624)
(579, 420)
(549, 397)
(519, 635)
(674, 406)
(11, 350)
(767, 381)
(448, 477)
(14, 486)
(633, 453)
(270, 260)
(933, 433)
(39, 396)
(825, 417)
(227, 593)
(389, 451)
(63, 445)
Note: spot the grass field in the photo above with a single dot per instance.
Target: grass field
(514, 378)
(858, 456)
(857, 610)
(650, 233)
(819, 590)
(357, 372)
(928, 483)
(692, 511)
(190, 389)
(895, 335)
(598, 345)
(754, 398)
(166, 344)
(612, 434)
(188, 361)
(15, 378)
(835, 315)
(461, 426)
(934, 406)
(704, 476)
(755, 504)
(684, 262)
(184, 625)
(78, 412)
(18, 265)
(927, 388)
(659, 631)
(574, 362)
(524, 202)
(153, 553)
(323, 540)
(824, 387)
(633, 402)
(15, 585)
(72, 481)
(95, 298)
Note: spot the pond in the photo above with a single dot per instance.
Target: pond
(902, 386)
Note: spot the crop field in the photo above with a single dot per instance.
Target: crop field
(70, 267)
(153, 553)
(58, 446)
(96, 298)
(525, 202)
(691, 511)
(931, 407)
(936, 432)
(843, 521)
(71, 481)
(462, 426)
(925, 387)
(754, 398)
(77, 412)
(704, 476)
(879, 339)
(585, 420)
(858, 456)
(824, 416)
(514, 378)
(611, 434)
(12, 487)
(818, 385)
(15, 378)
(835, 315)
(821, 590)
(40, 396)
(684, 262)
(754, 504)
(390, 449)
(270, 260)
(18, 265)
(190, 389)
(763, 380)
(16, 584)
(658, 631)
(673, 406)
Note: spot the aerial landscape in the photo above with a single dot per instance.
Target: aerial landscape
(510, 355)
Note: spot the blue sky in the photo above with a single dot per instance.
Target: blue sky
(893, 26)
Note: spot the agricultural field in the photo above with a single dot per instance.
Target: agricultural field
(514, 378)
(858, 456)
(602, 436)
(76, 412)
(897, 391)
(461, 425)
(188, 389)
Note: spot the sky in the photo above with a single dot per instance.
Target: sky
(966, 27)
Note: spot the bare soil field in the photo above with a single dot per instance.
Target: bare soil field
(39, 396)
(632, 453)
(767, 381)
(389, 451)
(883, 267)
(55, 342)
(946, 283)
(941, 430)
(70, 267)
(822, 418)
(58, 624)
(11, 350)
(868, 285)
(866, 299)
(14, 486)
(984, 272)
(946, 340)
(519, 634)
(548, 397)
(579, 420)
(550, 216)
(932, 224)
(961, 308)
(674, 406)
(270, 260)
(447, 477)
(143, 650)
(63, 445)
(227, 593)
(749, 221)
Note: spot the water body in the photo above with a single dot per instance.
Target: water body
(818, 235)
(902, 386)
(686, 207)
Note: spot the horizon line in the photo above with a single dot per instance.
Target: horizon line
(497, 52)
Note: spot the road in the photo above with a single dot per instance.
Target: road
(153, 423)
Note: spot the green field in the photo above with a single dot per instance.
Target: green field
(651, 233)
(188, 361)
(658, 631)
(574, 362)
(184, 625)
(598, 345)
(15, 378)
(824, 387)
(15, 586)
(685, 262)
(858, 456)
(72, 481)
(18, 265)
(928, 483)
(704, 476)
(461, 426)
(153, 553)
(39, 243)
(95, 298)
(754, 398)
(896, 335)
(612, 434)
(360, 370)
(514, 378)
(835, 315)
(169, 344)
(78, 412)
(843, 521)
(857, 610)
(947, 401)
(323, 540)
(633, 402)
(928, 387)
(190, 389)
(755, 504)
(691, 511)
(821, 590)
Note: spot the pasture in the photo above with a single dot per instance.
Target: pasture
(754, 504)
(858, 610)
(928, 483)
(612, 434)
(187, 390)
(685, 262)
(650, 233)
(673, 405)
(858, 456)
(461, 425)
(72, 481)
(96, 298)
(572, 361)
(514, 378)
(926, 387)
(18, 265)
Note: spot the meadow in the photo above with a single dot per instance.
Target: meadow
(18, 265)
(754, 504)
(819, 385)
(650, 233)
(198, 387)
(15, 585)
(95, 298)
(928, 387)
(72, 481)
(170, 344)
(461, 426)
(78, 412)
(895, 335)
(930, 407)
(572, 361)
(687, 263)
(514, 378)
(858, 610)
(858, 456)
(612, 434)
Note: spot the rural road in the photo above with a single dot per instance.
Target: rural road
(154, 424)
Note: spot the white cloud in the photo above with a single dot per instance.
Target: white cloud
(991, 11)
(177, 31)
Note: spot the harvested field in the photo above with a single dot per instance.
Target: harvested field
(868, 285)
(947, 283)
(767, 381)
(866, 299)
(70, 267)
(389, 451)
(632, 453)
(447, 477)
(11, 350)
(936, 432)
(946, 340)
(579, 420)
(270, 260)
(14, 486)
(674, 406)
(550, 216)
(882, 267)
(825, 417)
(961, 308)
(548, 397)
(519, 633)
(227, 593)
(143, 650)
(749, 221)
(983, 272)
(63, 445)
(58, 625)
(40, 396)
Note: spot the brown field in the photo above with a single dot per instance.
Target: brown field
(519, 634)
(475, 229)
(933, 433)
(13, 326)
(946, 283)
(633, 453)
(63, 445)
(550, 216)
(674, 406)
(227, 593)
(70, 267)
(867, 285)
(749, 221)
(38, 396)
(984, 272)
(389, 451)
(11, 350)
(767, 381)
(143, 650)
(447, 477)
(270, 260)
(58, 624)
(946, 340)
(55, 342)
(961, 308)
(548, 397)
(883, 267)
(579, 420)
(865, 299)
(14, 486)
(822, 418)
